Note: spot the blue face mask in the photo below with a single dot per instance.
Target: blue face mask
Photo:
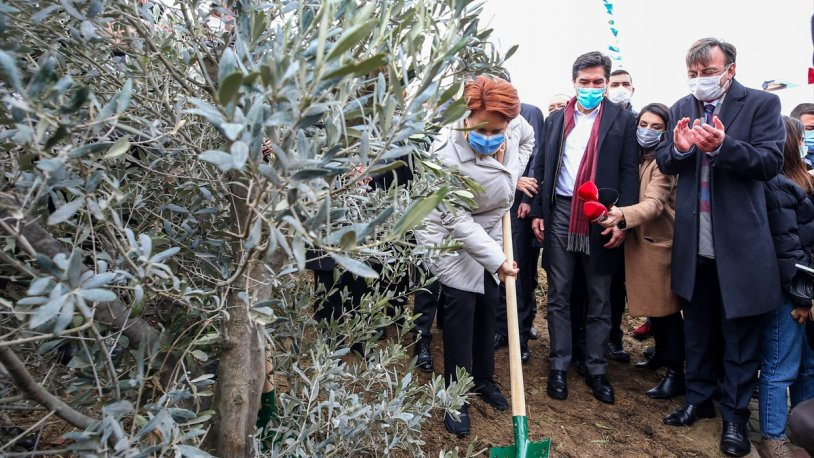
(485, 144)
(810, 140)
(590, 97)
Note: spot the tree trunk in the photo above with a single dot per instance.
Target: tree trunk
(241, 367)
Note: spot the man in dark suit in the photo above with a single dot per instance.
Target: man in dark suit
(726, 141)
(525, 253)
(592, 139)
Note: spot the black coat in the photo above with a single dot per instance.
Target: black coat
(535, 117)
(617, 167)
(791, 219)
(751, 154)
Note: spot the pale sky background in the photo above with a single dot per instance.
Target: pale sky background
(773, 39)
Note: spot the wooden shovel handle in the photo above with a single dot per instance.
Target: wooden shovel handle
(515, 365)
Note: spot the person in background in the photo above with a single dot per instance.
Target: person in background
(525, 253)
(787, 364)
(725, 141)
(801, 419)
(558, 102)
(486, 148)
(595, 140)
(648, 249)
(620, 89)
(804, 112)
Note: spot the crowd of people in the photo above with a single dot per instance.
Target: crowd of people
(694, 216)
(707, 213)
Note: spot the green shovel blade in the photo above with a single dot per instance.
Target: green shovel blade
(523, 447)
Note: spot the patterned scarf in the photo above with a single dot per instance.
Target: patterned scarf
(578, 224)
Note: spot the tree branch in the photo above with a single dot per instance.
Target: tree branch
(34, 391)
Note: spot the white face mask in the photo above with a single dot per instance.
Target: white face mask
(708, 88)
(619, 95)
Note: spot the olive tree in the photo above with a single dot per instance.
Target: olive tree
(169, 170)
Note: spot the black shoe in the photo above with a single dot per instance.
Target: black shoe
(601, 388)
(671, 385)
(649, 352)
(490, 393)
(654, 363)
(557, 386)
(501, 341)
(616, 352)
(582, 369)
(533, 333)
(734, 441)
(424, 357)
(461, 427)
(525, 355)
(687, 415)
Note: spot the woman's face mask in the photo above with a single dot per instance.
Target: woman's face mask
(485, 144)
(648, 138)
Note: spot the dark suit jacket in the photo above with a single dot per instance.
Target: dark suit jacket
(617, 167)
(535, 117)
(751, 154)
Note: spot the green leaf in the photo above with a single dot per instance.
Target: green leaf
(510, 52)
(97, 295)
(229, 87)
(228, 64)
(64, 212)
(219, 158)
(118, 148)
(355, 267)
(47, 311)
(455, 111)
(10, 72)
(359, 69)
(350, 37)
(419, 210)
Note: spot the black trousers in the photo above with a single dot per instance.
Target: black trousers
(579, 301)
(427, 303)
(332, 306)
(527, 257)
(668, 333)
(618, 298)
(719, 350)
(469, 330)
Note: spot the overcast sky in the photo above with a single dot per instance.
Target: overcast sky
(773, 39)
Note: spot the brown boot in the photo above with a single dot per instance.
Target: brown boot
(774, 448)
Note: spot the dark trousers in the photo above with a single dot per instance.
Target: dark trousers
(561, 273)
(668, 333)
(719, 350)
(332, 306)
(469, 330)
(618, 298)
(579, 303)
(527, 257)
(426, 304)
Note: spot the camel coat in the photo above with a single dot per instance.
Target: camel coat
(649, 243)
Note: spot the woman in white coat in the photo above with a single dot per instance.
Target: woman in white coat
(486, 147)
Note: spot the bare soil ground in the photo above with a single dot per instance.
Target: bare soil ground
(582, 426)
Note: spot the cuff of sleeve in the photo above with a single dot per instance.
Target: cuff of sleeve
(681, 155)
(493, 265)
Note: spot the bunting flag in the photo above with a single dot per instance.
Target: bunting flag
(615, 51)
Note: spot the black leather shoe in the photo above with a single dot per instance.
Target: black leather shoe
(525, 355)
(501, 341)
(601, 388)
(461, 427)
(671, 385)
(617, 353)
(424, 357)
(533, 333)
(649, 352)
(654, 363)
(557, 385)
(490, 393)
(687, 415)
(581, 368)
(734, 440)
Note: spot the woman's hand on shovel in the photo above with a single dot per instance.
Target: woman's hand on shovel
(505, 270)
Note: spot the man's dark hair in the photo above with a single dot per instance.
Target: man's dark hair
(622, 72)
(590, 60)
(802, 109)
(699, 51)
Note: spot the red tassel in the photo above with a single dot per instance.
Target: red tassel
(811, 76)
(588, 192)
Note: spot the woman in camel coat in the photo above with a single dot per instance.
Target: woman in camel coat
(648, 248)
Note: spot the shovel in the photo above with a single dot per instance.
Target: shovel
(523, 447)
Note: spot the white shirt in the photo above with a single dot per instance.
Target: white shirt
(574, 149)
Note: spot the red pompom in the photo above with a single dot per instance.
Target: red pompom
(588, 192)
(594, 211)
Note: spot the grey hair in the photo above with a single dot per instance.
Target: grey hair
(699, 51)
